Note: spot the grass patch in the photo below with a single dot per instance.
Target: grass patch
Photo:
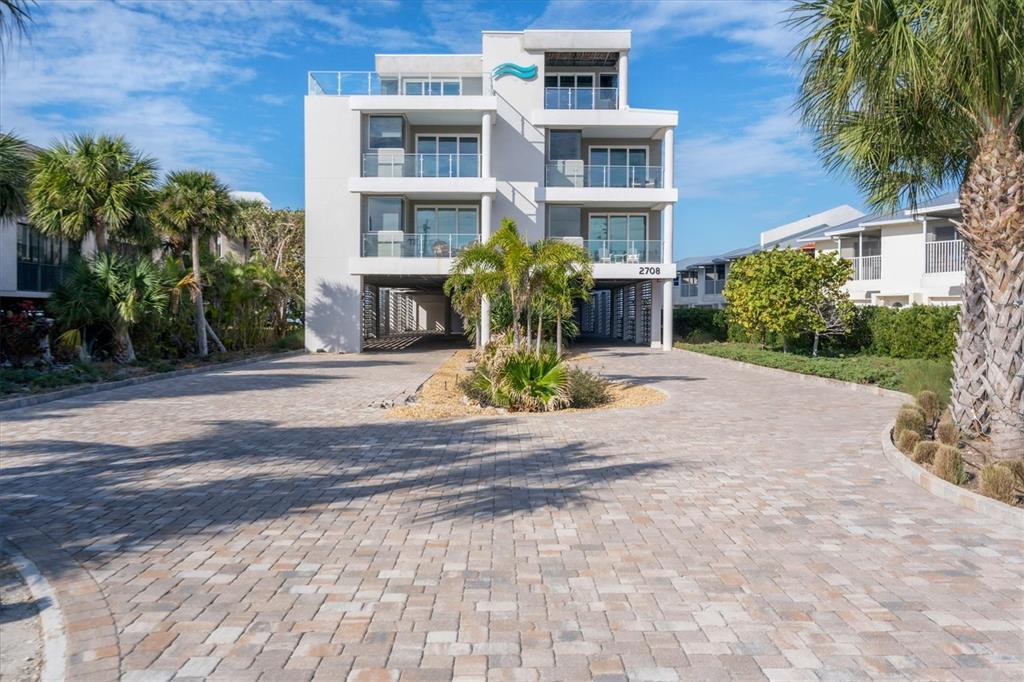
(899, 374)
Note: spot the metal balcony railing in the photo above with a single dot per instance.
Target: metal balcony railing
(867, 267)
(426, 245)
(577, 174)
(581, 98)
(372, 83)
(394, 163)
(623, 250)
(944, 256)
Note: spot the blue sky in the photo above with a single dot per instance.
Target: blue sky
(220, 85)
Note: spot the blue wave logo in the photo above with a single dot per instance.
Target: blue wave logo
(509, 69)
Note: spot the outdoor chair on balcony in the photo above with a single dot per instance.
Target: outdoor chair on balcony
(632, 256)
(604, 255)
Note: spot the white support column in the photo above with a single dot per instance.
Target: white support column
(666, 235)
(486, 122)
(667, 157)
(484, 332)
(624, 80)
(666, 315)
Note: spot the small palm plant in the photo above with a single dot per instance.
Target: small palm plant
(112, 292)
(534, 381)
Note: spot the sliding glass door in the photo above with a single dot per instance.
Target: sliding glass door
(617, 167)
(617, 237)
(448, 156)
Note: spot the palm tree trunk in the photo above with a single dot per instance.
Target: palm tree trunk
(814, 348)
(99, 233)
(969, 393)
(200, 315)
(125, 349)
(993, 209)
(529, 325)
(540, 328)
(213, 335)
(558, 335)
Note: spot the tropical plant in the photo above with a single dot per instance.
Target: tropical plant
(534, 381)
(914, 96)
(476, 275)
(111, 293)
(196, 205)
(15, 163)
(561, 274)
(22, 333)
(14, 19)
(93, 184)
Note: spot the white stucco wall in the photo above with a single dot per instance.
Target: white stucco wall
(333, 295)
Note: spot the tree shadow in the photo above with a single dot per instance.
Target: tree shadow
(99, 500)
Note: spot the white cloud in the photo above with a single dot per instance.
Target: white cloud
(711, 164)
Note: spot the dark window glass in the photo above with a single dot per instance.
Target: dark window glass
(564, 221)
(385, 132)
(383, 213)
(566, 144)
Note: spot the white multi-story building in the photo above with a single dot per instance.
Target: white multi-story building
(907, 257)
(408, 164)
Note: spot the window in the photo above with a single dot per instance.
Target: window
(564, 221)
(688, 282)
(581, 91)
(432, 86)
(618, 167)
(714, 278)
(448, 156)
(383, 213)
(446, 220)
(385, 132)
(565, 145)
(617, 237)
(942, 233)
(41, 259)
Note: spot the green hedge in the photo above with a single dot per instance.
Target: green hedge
(919, 331)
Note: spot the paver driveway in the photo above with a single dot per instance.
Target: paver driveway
(266, 521)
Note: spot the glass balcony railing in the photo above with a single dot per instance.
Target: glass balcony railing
(576, 174)
(623, 250)
(424, 245)
(415, 84)
(394, 163)
(38, 276)
(581, 98)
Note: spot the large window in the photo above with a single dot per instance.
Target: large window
(442, 156)
(564, 221)
(446, 220)
(41, 259)
(432, 86)
(385, 132)
(618, 237)
(383, 214)
(581, 91)
(688, 282)
(565, 145)
(714, 278)
(618, 167)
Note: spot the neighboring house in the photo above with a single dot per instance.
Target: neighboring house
(701, 281)
(407, 165)
(31, 264)
(907, 257)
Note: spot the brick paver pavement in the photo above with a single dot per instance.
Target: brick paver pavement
(268, 522)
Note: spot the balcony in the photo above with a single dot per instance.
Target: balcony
(355, 83)
(581, 98)
(867, 267)
(394, 244)
(944, 256)
(395, 163)
(577, 174)
(621, 250)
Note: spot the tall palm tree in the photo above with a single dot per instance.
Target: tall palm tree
(476, 274)
(195, 205)
(912, 96)
(15, 162)
(563, 275)
(111, 291)
(99, 184)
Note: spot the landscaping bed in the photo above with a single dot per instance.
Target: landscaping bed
(907, 375)
(441, 397)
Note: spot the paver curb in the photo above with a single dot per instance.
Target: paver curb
(850, 385)
(85, 389)
(944, 489)
(51, 621)
(90, 649)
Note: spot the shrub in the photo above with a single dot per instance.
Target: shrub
(927, 332)
(929, 402)
(949, 465)
(1016, 467)
(909, 419)
(907, 441)
(22, 333)
(924, 451)
(947, 433)
(916, 408)
(700, 325)
(533, 382)
(585, 389)
(997, 481)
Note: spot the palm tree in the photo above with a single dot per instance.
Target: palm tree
(14, 19)
(15, 162)
(195, 205)
(92, 184)
(110, 291)
(476, 274)
(912, 96)
(562, 274)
